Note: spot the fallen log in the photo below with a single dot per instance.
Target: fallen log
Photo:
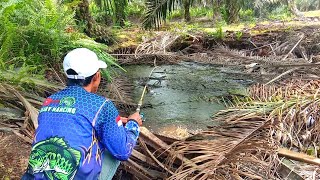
(143, 158)
(130, 168)
(152, 140)
(154, 158)
(298, 156)
(142, 172)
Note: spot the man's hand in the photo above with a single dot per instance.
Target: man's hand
(136, 116)
(124, 120)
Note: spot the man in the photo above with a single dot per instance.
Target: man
(77, 126)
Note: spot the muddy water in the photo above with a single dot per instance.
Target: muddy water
(184, 95)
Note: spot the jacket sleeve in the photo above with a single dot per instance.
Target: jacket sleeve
(118, 139)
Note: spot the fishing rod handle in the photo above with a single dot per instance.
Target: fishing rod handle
(138, 108)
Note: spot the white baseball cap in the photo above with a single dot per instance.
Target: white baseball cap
(83, 61)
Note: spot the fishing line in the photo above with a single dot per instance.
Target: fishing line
(144, 91)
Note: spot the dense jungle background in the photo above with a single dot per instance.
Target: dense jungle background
(232, 85)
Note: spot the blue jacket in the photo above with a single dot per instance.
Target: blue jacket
(75, 127)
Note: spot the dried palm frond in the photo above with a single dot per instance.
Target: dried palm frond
(295, 106)
(236, 149)
(24, 92)
(14, 98)
(284, 90)
(119, 91)
(245, 145)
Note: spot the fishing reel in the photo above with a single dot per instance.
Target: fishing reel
(143, 117)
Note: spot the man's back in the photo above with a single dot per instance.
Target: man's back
(77, 128)
(65, 144)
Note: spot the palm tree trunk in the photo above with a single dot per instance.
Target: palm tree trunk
(293, 8)
(83, 14)
(120, 15)
(233, 10)
(92, 29)
(216, 11)
(187, 15)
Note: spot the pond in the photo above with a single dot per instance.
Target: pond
(184, 95)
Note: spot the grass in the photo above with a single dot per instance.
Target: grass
(286, 23)
(127, 37)
(312, 13)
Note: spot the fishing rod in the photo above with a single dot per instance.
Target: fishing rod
(143, 94)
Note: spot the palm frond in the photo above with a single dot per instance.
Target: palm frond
(229, 151)
(157, 11)
(251, 131)
(295, 105)
(119, 90)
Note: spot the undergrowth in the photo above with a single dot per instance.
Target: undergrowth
(35, 35)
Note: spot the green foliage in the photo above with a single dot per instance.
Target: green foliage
(176, 14)
(119, 12)
(247, 15)
(201, 12)
(100, 15)
(195, 12)
(136, 9)
(35, 35)
(308, 5)
(27, 81)
(239, 35)
(157, 11)
(280, 13)
(219, 33)
(224, 13)
(272, 9)
(116, 8)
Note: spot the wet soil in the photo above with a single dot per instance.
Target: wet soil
(14, 154)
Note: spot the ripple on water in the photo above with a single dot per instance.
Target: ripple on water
(186, 95)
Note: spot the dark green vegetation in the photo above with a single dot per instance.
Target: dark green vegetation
(35, 35)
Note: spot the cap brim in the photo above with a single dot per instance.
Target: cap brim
(102, 64)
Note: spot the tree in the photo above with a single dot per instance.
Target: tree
(119, 12)
(233, 8)
(94, 30)
(216, 10)
(293, 8)
(187, 4)
(157, 11)
(116, 8)
(83, 14)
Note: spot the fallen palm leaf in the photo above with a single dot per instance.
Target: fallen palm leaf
(227, 150)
